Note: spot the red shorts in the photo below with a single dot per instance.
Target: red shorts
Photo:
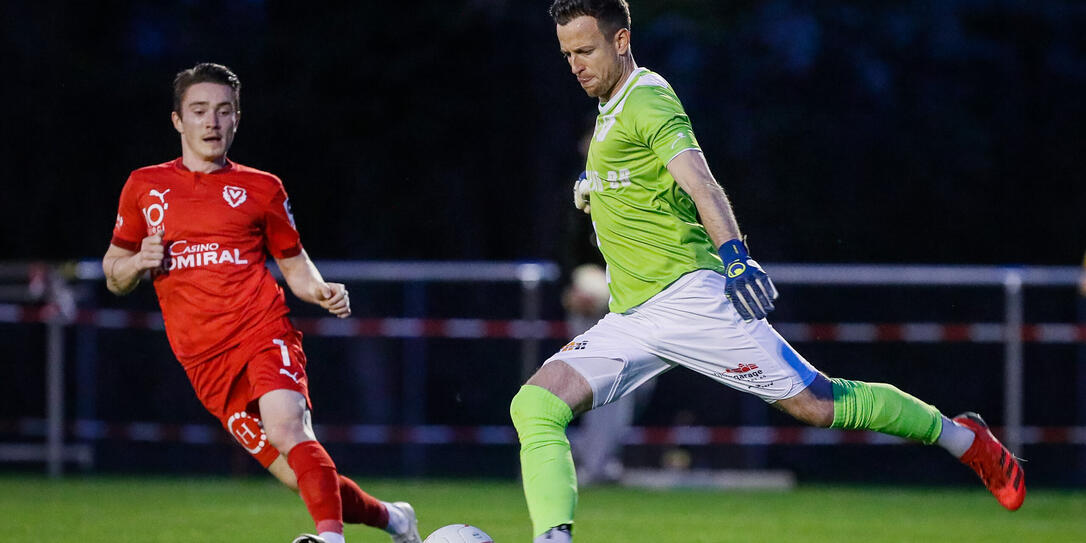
(230, 384)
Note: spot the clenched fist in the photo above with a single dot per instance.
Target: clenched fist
(334, 298)
(152, 253)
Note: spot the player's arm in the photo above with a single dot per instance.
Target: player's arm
(748, 287)
(123, 268)
(306, 283)
(692, 174)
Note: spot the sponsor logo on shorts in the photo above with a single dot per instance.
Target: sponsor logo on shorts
(743, 372)
(574, 346)
(248, 431)
(743, 368)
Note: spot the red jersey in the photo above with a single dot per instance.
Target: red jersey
(213, 288)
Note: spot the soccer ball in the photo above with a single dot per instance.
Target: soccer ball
(458, 533)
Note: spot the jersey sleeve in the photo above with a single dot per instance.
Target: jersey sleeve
(280, 236)
(660, 122)
(129, 230)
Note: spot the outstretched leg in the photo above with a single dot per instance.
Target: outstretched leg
(330, 497)
(358, 506)
(856, 405)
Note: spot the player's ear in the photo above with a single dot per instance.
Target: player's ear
(176, 118)
(621, 41)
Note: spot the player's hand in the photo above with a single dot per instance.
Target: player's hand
(582, 187)
(334, 298)
(152, 253)
(746, 284)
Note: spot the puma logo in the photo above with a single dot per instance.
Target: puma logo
(160, 195)
(293, 376)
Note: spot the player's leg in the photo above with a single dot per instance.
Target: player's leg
(856, 405)
(880, 407)
(280, 469)
(331, 498)
(286, 421)
(701, 330)
(541, 411)
(598, 367)
(276, 367)
(358, 506)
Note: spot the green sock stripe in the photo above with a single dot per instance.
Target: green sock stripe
(883, 408)
(550, 482)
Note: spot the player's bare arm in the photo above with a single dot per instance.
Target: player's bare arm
(692, 173)
(748, 287)
(306, 283)
(123, 268)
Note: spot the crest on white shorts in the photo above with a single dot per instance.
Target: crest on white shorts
(233, 195)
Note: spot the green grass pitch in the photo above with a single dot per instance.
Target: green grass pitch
(165, 510)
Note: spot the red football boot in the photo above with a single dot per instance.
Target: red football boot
(995, 465)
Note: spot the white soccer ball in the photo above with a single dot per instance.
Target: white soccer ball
(458, 533)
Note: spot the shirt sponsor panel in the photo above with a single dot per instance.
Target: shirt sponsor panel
(193, 255)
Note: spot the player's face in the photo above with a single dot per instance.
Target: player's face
(208, 120)
(594, 59)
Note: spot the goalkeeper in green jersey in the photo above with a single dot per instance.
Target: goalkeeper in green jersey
(684, 291)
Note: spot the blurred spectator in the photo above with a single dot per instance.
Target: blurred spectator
(598, 446)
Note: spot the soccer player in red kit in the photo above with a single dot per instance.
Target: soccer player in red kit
(201, 225)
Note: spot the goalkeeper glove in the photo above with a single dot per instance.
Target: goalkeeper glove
(746, 285)
(582, 187)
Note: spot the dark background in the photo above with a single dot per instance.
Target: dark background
(929, 131)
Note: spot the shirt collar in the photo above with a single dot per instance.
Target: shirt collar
(180, 165)
(606, 107)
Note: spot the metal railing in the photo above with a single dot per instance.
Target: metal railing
(531, 275)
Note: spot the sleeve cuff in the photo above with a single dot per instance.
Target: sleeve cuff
(125, 244)
(681, 151)
(289, 252)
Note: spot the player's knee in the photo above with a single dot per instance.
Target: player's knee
(808, 408)
(285, 434)
(535, 409)
(520, 409)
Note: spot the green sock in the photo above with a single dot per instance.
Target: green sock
(883, 408)
(546, 464)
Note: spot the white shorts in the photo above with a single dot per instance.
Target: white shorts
(692, 324)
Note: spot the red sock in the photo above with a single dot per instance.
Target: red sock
(361, 508)
(318, 483)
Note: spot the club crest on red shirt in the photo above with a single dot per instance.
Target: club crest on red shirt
(233, 195)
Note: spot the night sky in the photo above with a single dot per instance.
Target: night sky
(931, 131)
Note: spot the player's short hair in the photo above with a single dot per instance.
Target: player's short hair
(611, 15)
(205, 72)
